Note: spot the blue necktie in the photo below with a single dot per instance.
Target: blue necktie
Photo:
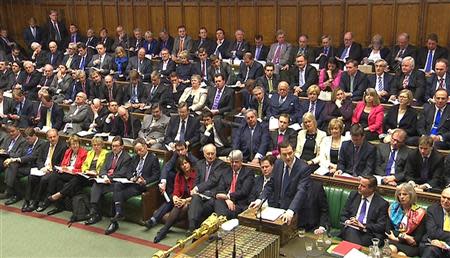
(29, 150)
(362, 212)
(286, 180)
(74, 91)
(429, 61)
(182, 130)
(139, 167)
(344, 53)
(437, 121)
(390, 162)
(82, 63)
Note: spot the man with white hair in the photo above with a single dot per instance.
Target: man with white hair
(72, 59)
(54, 56)
(95, 115)
(76, 115)
(39, 56)
(410, 79)
(30, 80)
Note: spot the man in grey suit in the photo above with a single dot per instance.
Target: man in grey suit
(6, 107)
(141, 64)
(182, 42)
(391, 158)
(154, 127)
(279, 52)
(76, 115)
(101, 61)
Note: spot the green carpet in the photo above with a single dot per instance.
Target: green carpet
(28, 236)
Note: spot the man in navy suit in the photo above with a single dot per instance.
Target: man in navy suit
(259, 50)
(184, 128)
(140, 64)
(411, 79)
(302, 76)
(284, 133)
(288, 187)
(325, 52)
(72, 59)
(260, 102)
(428, 55)
(262, 180)
(365, 214)
(381, 81)
(313, 104)
(24, 110)
(252, 138)
(51, 114)
(239, 46)
(353, 82)
(32, 33)
(55, 30)
(75, 36)
(222, 45)
(220, 99)
(269, 80)
(400, 51)
(202, 65)
(284, 102)
(249, 69)
(349, 50)
(440, 79)
(357, 156)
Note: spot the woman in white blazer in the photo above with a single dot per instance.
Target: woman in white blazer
(309, 140)
(194, 96)
(330, 146)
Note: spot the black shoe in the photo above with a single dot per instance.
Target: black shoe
(25, 205)
(13, 200)
(149, 224)
(160, 236)
(113, 227)
(43, 206)
(55, 211)
(93, 219)
(31, 207)
(117, 217)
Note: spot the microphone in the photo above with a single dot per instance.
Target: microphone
(260, 212)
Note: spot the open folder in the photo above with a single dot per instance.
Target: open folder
(270, 213)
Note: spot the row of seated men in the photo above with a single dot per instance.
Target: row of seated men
(280, 53)
(199, 187)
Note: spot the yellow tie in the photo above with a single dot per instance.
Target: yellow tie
(260, 110)
(447, 222)
(69, 61)
(52, 148)
(48, 122)
(270, 85)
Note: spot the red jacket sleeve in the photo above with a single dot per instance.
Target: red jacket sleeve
(82, 154)
(357, 112)
(375, 119)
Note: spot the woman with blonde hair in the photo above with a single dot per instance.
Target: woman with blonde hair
(120, 63)
(401, 116)
(369, 113)
(184, 68)
(194, 96)
(309, 140)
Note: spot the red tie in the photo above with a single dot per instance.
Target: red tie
(125, 128)
(233, 182)
(113, 166)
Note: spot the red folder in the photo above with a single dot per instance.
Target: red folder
(344, 247)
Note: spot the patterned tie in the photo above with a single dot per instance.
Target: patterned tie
(113, 165)
(260, 110)
(69, 62)
(390, 162)
(50, 154)
(139, 167)
(29, 150)
(379, 84)
(441, 84)
(312, 108)
(217, 99)
(81, 67)
(11, 145)
(233, 182)
(276, 56)
(269, 82)
(405, 81)
(362, 212)
(301, 80)
(344, 53)
(425, 170)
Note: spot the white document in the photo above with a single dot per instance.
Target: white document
(84, 175)
(355, 253)
(123, 180)
(45, 129)
(36, 172)
(84, 133)
(99, 180)
(166, 196)
(295, 126)
(169, 148)
(273, 123)
(127, 141)
(271, 214)
(379, 179)
(102, 135)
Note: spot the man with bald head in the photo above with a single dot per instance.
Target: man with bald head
(284, 102)
(209, 173)
(349, 49)
(76, 115)
(140, 64)
(400, 51)
(95, 115)
(54, 56)
(111, 91)
(125, 125)
(437, 239)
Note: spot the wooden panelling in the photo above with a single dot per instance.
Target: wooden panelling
(310, 23)
(382, 22)
(288, 22)
(315, 18)
(357, 22)
(267, 21)
(408, 21)
(332, 23)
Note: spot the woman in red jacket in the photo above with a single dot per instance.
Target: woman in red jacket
(70, 167)
(184, 183)
(369, 114)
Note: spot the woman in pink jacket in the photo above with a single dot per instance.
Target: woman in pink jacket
(369, 113)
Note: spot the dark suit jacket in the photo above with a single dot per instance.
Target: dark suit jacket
(359, 84)
(265, 106)
(257, 188)
(290, 106)
(426, 121)
(355, 51)
(240, 49)
(198, 70)
(318, 114)
(388, 83)
(141, 93)
(106, 66)
(383, 154)
(290, 135)
(416, 83)
(224, 69)
(123, 165)
(8, 106)
(296, 193)
(435, 224)
(145, 68)
(102, 114)
(29, 38)
(150, 171)
(408, 121)
(226, 102)
(433, 84)
(166, 44)
(217, 170)
(171, 67)
(322, 59)
(365, 165)
(255, 70)
(308, 52)
(262, 53)
(422, 54)
(223, 49)
(50, 34)
(192, 133)
(75, 61)
(151, 48)
(414, 166)
(161, 95)
(117, 93)
(30, 160)
(108, 42)
(136, 44)
(55, 59)
(409, 51)
(315, 211)
(26, 114)
(31, 86)
(207, 44)
(242, 140)
(134, 126)
(376, 215)
(244, 186)
(6, 79)
(58, 153)
(220, 127)
(56, 117)
(311, 77)
(265, 83)
(17, 149)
